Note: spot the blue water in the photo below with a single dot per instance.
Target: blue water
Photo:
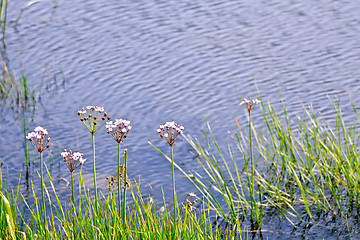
(157, 61)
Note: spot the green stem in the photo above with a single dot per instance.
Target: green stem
(118, 178)
(124, 182)
(173, 182)
(72, 189)
(42, 186)
(94, 172)
(73, 202)
(252, 194)
(251, 159)
(25, 142)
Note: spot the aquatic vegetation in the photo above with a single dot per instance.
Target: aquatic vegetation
(3, 16)
(309, 169)
(191, 199)
(93, 118)
(41, 143)
(73, 161)
(38, 139)
(15, 92)
(249, 104)
(119, 130)
(169, 132)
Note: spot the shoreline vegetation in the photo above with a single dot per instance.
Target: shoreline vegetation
(296, 169)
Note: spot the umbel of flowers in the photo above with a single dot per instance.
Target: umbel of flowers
(170, 131)
(38, 138)
(119, 129)
(250, 103)
(73, 160)
(93, 117)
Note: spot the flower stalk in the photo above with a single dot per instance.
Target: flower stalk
(255, 215)
(119, 130)
(73, 161)
(93, 118)
(94, 168)
(41, 143)
(169, 132)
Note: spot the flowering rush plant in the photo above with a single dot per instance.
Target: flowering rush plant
(170, 131)
(73, 160)
(119, 129)
(250, 103)
(38, 139)
(93, 117)
(191, 200)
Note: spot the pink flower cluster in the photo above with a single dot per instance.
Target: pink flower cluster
(92, 108)
(37, 138)
(93, 117)
(119, 129)
(250, 103)
(170, 131)
(73, 160)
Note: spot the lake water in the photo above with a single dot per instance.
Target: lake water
(157, 61)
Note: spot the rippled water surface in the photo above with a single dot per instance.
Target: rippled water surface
(157, 61)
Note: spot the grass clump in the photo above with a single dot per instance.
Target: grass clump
(15, 92)
(310, 167)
